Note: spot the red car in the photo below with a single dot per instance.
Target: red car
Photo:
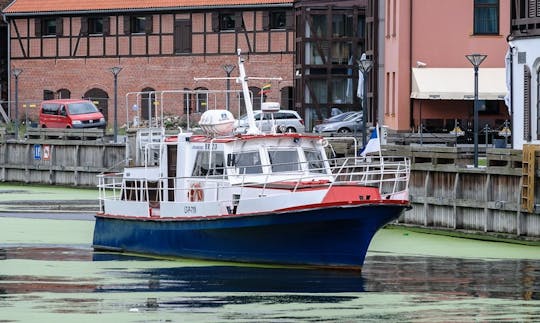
(70, 113)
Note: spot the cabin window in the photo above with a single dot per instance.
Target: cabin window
(284, 160)
(248, 163)
(315, 161)
(208, 163)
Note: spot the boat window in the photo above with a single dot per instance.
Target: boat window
(248, 163)
(284, 160)
(208, 163)
(315, 161)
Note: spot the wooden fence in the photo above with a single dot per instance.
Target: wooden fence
(446, 193)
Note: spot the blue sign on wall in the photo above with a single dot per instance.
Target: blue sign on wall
(37, 152)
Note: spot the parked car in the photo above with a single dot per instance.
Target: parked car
(285, 120)
(339, 117)
(350, 123)
(70, 113)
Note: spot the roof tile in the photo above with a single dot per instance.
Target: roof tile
(50, 6)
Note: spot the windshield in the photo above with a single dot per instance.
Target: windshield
(82, 108)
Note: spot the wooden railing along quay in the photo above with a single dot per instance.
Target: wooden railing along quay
(500, 200)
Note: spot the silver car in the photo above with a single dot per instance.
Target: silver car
(285, 120)
(350, 123)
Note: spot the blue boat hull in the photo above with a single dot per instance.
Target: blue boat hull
(323, 237)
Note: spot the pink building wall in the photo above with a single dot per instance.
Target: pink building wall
(440, 34)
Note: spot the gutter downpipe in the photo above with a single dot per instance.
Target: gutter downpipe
(411, 101)
(4, 18)
(511, 107)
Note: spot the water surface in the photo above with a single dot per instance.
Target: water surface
(48, 272)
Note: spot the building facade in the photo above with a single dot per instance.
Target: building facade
(429, 83)
(67, 50)
(524, 71)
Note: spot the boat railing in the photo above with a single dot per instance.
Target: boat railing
(389, 174)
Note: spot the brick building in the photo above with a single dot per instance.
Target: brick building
(67, 49)
(429, 83)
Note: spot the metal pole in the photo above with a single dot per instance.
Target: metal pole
(17, 106)
(364, 110)
(228, 68)
(115, 71)
(228, 88)
(475, 116)
(115, 108)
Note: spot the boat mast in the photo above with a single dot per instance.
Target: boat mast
(242, 79)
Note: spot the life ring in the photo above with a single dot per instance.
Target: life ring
(195, 193)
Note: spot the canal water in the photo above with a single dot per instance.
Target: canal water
(49, 273)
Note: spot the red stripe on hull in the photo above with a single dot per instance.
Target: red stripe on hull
(338, 193)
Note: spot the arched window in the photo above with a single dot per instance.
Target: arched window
(63, 94)
(100, 98)
(201, 102)
(148, 103)
(48, 95)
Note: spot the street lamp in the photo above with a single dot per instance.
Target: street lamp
(115, 71)
(16, 72)
(476, 60)
(228, 69)
(364, 66)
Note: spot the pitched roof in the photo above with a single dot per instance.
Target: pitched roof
(61, 6)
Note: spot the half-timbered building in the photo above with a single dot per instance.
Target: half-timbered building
(66, 49)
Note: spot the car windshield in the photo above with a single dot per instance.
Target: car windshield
(82, 108)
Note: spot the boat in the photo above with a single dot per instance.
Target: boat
(260, 198)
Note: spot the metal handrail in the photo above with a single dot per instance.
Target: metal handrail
(393, 171)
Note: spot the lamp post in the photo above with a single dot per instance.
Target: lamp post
(16, 72)
(115, 71)
(364, 66)
(476, 60)
(228, 69)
